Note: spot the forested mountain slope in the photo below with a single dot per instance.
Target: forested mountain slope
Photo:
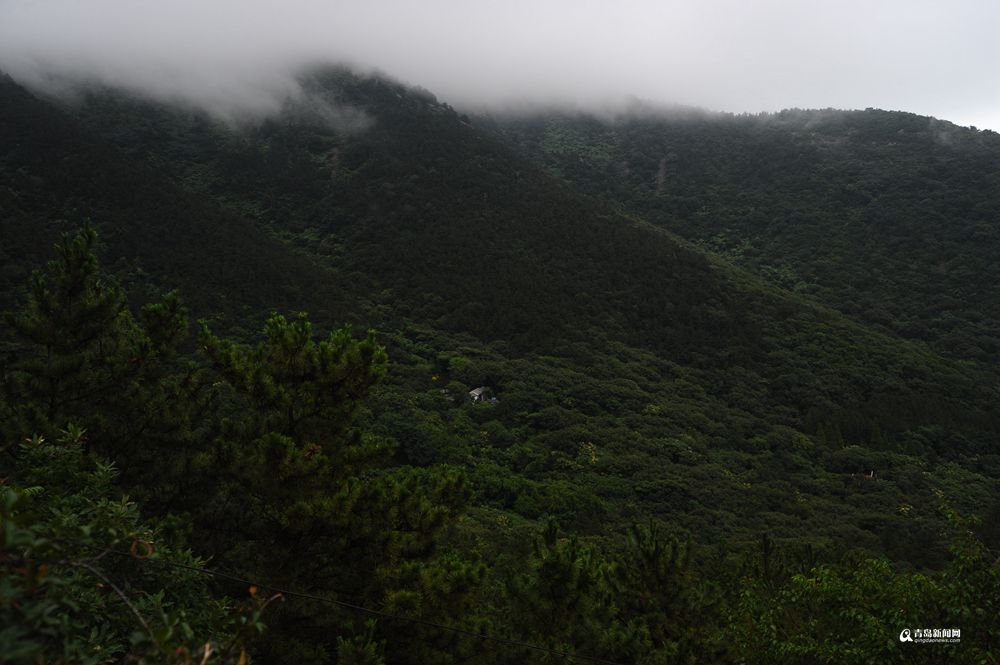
(637, 379)
(440, 227)
(55, 174)
(889, 217)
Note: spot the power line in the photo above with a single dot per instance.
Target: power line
(351, 606)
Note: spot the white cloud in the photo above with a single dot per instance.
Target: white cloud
(936, 58)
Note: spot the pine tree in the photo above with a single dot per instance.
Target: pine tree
(81, 356)
(566, 600)
(258, 453)
(306, 499)
(71, 337)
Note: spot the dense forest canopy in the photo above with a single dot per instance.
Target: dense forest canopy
(739, 392)
(888, 217)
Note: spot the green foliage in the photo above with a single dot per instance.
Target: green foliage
(86, 580)
(360, 649)
(566, 601)
(55, 173)
(884, 216)
(84, 357)
(304, 484)
(267, 465)
(75, 321)
(671, 598)
(635, 377)
(295, 386)
(854, 612)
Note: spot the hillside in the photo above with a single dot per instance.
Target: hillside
(450, 232)
(638, 379)
(888, 217)
(55, 174)
(442, 228)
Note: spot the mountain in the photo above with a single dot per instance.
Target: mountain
(638, 378)
(56, 174)
(426, 222)
(431, 224)
(888, 217)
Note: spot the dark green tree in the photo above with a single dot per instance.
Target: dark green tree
(71, 332)
(258, 454)
(855, 610)
(301, 482)
(661, 589)
(566, 600)
(81, 356)
(85, 579)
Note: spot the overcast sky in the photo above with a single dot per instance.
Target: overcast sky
(936, 58)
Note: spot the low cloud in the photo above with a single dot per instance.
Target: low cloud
(735, 55)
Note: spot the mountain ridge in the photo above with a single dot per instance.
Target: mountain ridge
(661, 421)
(813, 201)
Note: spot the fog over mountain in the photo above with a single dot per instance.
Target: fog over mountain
(933, 58)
